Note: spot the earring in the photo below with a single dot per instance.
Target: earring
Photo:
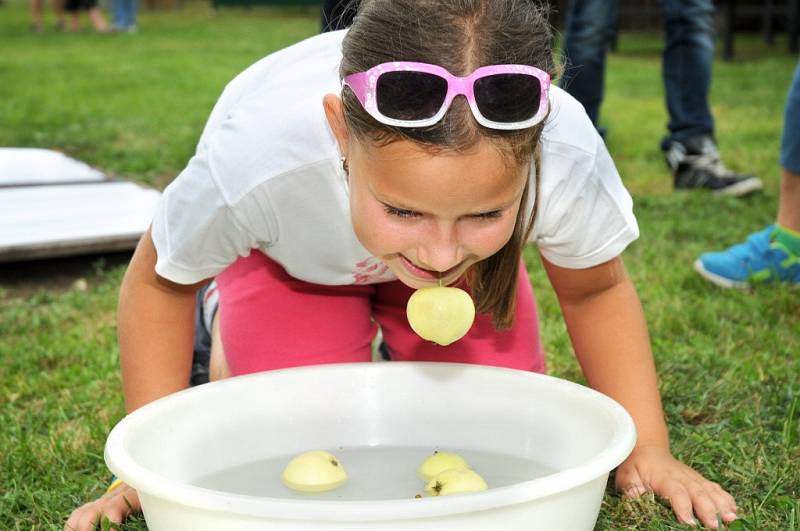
(345, 167)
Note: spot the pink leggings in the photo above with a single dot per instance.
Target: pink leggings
(270, 320)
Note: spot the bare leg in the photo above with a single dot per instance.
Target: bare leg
(218, 364)
(98, 20)
(789, 205)
(36, 15)
(58, 9)
(74, 21)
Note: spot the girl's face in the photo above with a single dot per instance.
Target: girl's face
(428, 216)
(431, 216)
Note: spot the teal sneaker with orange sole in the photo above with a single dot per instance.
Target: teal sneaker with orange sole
(761, 259)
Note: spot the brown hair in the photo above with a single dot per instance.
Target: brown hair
(460, 35)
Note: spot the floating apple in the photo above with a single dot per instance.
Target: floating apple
(438, 462)
(440, 314)
(455, 481)
(314, 471)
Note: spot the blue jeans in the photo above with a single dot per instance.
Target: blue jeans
(686, 62)
(790, 145)
(124, 13)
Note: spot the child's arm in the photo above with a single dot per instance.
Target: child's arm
(609, 334)
(156, 331)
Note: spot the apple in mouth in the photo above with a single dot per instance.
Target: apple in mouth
(440, 314)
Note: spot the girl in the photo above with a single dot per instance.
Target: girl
(320, 204)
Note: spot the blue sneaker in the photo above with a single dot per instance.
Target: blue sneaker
(759, 260)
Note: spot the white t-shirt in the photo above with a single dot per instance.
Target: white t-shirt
(267, 176)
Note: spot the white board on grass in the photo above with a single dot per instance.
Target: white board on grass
(87, 213)
(28, 166)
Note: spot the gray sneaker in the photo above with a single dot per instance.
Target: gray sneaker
(696, 163)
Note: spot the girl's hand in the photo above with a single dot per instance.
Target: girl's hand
(115, 505)
(653, 468)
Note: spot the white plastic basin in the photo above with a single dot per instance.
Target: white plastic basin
(571, 434)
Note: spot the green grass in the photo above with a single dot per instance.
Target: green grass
(135, 105)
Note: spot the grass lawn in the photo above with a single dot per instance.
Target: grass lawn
(134, 106)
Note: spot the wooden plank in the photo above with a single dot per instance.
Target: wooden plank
(44, 221)
(71, 248)
(33, 166)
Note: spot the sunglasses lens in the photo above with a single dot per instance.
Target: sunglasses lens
(508, 98)
(410, 95)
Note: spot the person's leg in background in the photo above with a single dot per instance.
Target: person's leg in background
(72, 8)
(133, 9)
(130, 8)
(690, 147)
(36, 16)
(119, 15)
(37, 7)
(124, 15)
(338, 14)
(518, 348)
(772, 254)
(96, 16)
(58, 9)
(686, 67)
(789, 206)
(589, 31)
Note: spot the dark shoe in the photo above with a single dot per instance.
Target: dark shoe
(695, 163)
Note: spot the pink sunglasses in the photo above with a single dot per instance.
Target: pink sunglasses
(408, 94)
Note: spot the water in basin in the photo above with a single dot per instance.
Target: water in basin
(374, 473)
